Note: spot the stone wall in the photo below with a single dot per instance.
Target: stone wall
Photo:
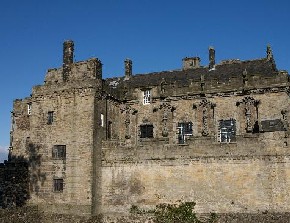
(108, 165)
(247, 175)
(61, 114)
(224, 184)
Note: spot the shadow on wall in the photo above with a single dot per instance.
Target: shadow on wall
(19, 176)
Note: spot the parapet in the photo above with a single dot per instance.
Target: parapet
(79, 71)
(74, 71)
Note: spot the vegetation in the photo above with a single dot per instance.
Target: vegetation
(174, 213)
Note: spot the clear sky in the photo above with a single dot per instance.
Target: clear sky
(155, 34)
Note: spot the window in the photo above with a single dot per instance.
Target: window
(59, 152)
(146, 131)
(109, 130)
(185, 129)
(227, 130)
(58, 185)
(102, 120)
(50, 117)
(29, 109)
(146, 97)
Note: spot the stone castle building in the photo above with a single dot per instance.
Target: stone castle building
(216, 134)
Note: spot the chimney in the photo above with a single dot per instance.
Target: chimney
(68, 54)
(211, 57)
(191, 62)
(128, 68)
(269, 53)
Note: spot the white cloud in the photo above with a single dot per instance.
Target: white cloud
(3, 153)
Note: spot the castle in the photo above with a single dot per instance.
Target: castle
(217, 135)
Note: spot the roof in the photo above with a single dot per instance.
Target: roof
(222, 72)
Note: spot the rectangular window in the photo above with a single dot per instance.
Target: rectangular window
(185, 129)
(227, 130)
(29, 109)
(146, 131)
(109, 130)
(50, 117)
(102, 120)
(59, 152)
(58, 185)
(146, 97)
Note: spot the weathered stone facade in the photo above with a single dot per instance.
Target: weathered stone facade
(216, 135)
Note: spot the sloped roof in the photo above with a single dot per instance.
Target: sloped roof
(222, 71)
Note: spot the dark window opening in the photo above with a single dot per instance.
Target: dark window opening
(109, 129)
(59, 152)
(272, 125)
(185, 129)
(50, 117)
(227, 130)
(58, 185)
(256, 128)
(146, 131)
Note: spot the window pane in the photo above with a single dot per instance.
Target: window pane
(50, 117)
(146, 97)
(146, 131)
(29, 109)
(227, 130)
(58, 185)
(59, 152)
(184, 128)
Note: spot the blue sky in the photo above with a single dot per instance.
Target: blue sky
(155, 34)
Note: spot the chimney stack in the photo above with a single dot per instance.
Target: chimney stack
(211, 57)
(269, 53)
(68, 54)
(191, 62)
(128, 68)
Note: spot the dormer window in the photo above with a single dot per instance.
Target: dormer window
(146, 97)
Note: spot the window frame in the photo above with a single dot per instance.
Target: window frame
(109, 130)
(226, 133)
(146, 131)
(50, 117)
(29, 108)
(185, 129)
(58, 185)
(59, 152)
(146, 97)
(102, 120)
